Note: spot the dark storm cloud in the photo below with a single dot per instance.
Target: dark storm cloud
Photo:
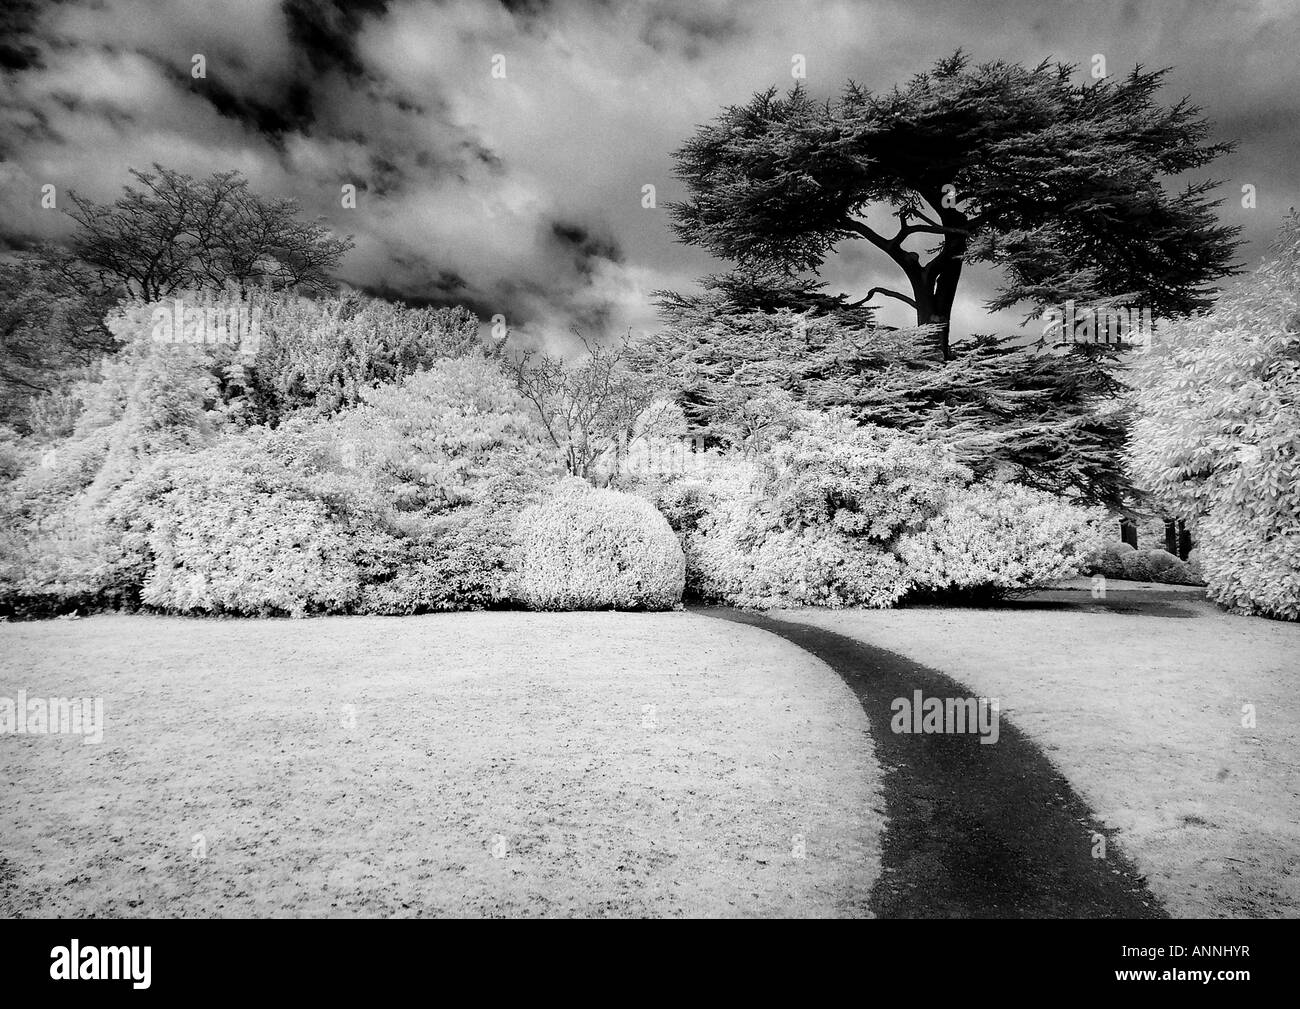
(582, 245)
(522, 194)
(18, 50)
(326, 30)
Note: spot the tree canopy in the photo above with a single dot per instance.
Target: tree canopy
(175, 233)
(1061, 185)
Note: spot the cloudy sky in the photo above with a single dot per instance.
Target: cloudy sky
(522, 195)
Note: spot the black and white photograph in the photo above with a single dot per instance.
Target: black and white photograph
(650, 459)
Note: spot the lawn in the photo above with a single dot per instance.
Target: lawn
(475, 764)
(1143, 715)
(612, 764)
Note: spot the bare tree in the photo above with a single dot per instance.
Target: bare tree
(588, 409)
(176, 232)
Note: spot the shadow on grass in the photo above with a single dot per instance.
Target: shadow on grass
(1170, 605)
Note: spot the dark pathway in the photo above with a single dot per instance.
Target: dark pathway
(975, 830)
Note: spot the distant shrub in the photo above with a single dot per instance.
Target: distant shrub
(1137, 566)
(454, 457)
(712, 509)
(1179, 573)
(1161, 560)
(405, 503)
(1120, 560)
(585, 548)
(235, 550)
(148, 403)
(1108, 560)
(995, 538)
(868, 482)
(56, 564)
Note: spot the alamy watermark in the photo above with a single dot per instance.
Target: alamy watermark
(949, 715)
(1109, 323)
(40, 716)
(208, 320)
(75, 962)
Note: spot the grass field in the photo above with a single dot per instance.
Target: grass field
(464, 764)
(1143, 714)
(610, 764)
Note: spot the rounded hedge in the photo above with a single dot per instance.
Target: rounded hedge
(585, 548)
(1137, 566)
(1109, 560)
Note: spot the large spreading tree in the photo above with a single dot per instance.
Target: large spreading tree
(1059, 184)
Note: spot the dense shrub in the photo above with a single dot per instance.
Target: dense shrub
(1156, 565)
(455, 457)
(991, 539)
(462, 563)
(1161, 561)
(1137, 566)
(709, 505)
(1252, 567)
(587, 548)
(241, 528)
(1218, 399)
(15, 456)
(323, 355)
(1108, 560)
(57, 564)
(820, 566)
(233, 547)
(811, 519)
(445, 437)
(1175, 571)
(148, 402)
(404, 503)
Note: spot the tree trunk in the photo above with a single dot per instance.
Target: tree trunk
(934, 289)
(932, 311)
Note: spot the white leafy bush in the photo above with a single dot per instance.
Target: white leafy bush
(994, 538)
(870, 482)
(713, 510)
(1218, 407)
(585, 548)
(820, 566)
(812, 520)
(238, 528)
(323, 355)
(237, 551)
(1250, 568)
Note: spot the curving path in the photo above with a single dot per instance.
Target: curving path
(975, 830)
